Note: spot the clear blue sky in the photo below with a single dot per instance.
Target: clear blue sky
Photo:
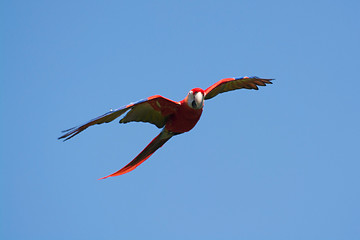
(278, 163)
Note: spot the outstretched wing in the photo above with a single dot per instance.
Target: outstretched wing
(155, 144)
(153, 109)
(230, 84)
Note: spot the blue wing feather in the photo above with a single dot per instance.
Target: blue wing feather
(113, 114)
(105, 118)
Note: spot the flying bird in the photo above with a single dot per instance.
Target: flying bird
(173, 117)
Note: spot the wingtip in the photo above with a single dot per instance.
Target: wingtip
(59, 138)
(64, 138)
(118, 173)
(103, 178)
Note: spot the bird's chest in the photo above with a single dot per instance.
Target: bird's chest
(183, 120)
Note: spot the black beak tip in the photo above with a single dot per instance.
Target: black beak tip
(193, 104)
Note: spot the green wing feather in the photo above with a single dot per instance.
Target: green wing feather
(230, 84)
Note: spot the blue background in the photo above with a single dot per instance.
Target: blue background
(278, 163)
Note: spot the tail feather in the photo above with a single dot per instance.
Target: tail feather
(155, 144)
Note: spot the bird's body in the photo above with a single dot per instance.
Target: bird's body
(173, 117)
(184, 119)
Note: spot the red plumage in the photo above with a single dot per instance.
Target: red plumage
(174, 117)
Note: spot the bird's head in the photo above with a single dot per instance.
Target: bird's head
(195, 98)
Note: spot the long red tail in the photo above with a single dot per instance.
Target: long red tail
(155, 144)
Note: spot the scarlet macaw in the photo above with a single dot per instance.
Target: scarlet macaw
(174, 117)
